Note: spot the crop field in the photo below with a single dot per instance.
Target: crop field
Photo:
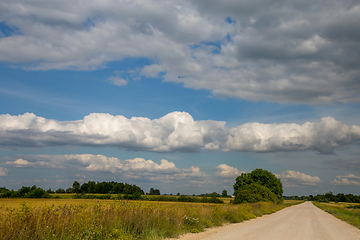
(348, 212)
(144, 197)
(114, 219)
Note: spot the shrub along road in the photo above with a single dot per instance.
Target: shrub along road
(304, 221)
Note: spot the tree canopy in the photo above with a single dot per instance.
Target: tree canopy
(154, 191)
(253, 193)
(257, 186)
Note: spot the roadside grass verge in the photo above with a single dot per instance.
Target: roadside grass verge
(110, 219)
(348, 212)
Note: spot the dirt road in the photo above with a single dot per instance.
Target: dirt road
(304, 221)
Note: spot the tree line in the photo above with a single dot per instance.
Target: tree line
(24, 192)
(215, 194)
(105, 187)
(89, 187)
(328, 197)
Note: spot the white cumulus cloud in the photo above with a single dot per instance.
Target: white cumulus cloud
(131, 168)
(349, 179)
(118, 81)
(25, 163)
(291, 178)
(322, 136)
(226, 171)
(176, 131)
(3, 172)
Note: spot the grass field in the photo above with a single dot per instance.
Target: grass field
(71, 195)
(348, 212)
(15, 203)
(110, 219)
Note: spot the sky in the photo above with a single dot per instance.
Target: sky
(181, 96)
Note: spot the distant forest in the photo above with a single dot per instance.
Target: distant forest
(104, 191)
(328, 197)
(89, 187)
(134, 192)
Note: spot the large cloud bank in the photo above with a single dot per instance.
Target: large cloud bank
(176, 131)
(283, 51)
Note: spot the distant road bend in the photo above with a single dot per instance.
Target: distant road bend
(303, 221)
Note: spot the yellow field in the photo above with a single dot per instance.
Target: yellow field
(114, 219)
(15, 202)
(293, 201)
(342, 204)
(33, 202)
(43, 202)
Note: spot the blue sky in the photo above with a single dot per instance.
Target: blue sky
(180, 96)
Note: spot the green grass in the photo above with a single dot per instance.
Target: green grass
(342, 211)
(110, 219)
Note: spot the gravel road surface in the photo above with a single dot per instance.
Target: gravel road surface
(303, 221)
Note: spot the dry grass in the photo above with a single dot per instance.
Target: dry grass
(6, 203)
(109, 219)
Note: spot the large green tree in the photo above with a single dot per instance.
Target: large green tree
(253, 193)
(247, 184)
(76, 187)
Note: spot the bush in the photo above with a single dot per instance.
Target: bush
(37, 193)
(91, 196)
(324, 200)
(253, 193)
(183, 198)
(211, 200)
(136, 196)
